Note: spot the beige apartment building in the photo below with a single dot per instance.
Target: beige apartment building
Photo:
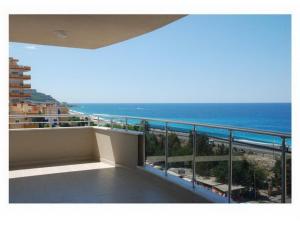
(18, 90)
(19, 97)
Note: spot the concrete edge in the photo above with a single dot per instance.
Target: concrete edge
(132, 132)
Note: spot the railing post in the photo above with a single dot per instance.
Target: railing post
(166, 149)
(126, 123)
(283, 171)
(111, 123)
(57, 119)
(98, 121)
(194, 155)
(144, 145)
(230, 166)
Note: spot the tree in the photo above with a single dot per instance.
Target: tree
(245, 173)
(154, 144)
(222, 150)
(276, 179)
(220, 171)
(203, 146)
(151, 144)
(174, 145)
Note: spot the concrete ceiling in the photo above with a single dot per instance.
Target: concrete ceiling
(83, 31)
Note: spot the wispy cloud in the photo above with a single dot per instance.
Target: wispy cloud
(31, 47)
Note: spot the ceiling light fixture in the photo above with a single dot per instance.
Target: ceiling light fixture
(62, 34)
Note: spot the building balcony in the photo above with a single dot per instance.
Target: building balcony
(21, 86)
(19, 95)
(18, 67)
(85, 165)
(19, 77)
(113, 161)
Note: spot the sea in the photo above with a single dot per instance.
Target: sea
(262, 116)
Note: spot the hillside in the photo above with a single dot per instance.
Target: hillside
(41, 97)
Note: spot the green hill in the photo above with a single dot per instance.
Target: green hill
(41, 97)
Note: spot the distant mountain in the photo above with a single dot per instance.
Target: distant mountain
(41, 97)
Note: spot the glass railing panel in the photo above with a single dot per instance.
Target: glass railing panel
(107, 121)
(134, 124)
(180, 151)
(211, 161)
(101, 121)
(289, 177)
(256, 168)
(213, 133)
(117, 123)
(155, 147)
(72, 121)
(288, 167)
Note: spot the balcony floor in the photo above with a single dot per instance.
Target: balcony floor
(94, 183)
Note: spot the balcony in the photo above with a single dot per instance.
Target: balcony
(84, 165)
(21, 86)
(20, 77)
(19, 67)
(19, 95)
(104, 158)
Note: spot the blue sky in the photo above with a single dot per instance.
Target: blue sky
(200, 58)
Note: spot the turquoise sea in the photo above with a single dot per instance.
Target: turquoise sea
(263, 116)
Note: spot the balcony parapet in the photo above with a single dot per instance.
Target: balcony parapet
(73, 144)
(23, 68)
(19, 95)
(12, 85)
(21, 77)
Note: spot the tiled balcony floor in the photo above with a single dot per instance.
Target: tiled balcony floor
(93, 183)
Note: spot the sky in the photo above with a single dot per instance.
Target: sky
(197, 59)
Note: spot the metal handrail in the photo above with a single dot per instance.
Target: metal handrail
(217, 126)
(47, 122)
(55, 116)
(46, 115)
